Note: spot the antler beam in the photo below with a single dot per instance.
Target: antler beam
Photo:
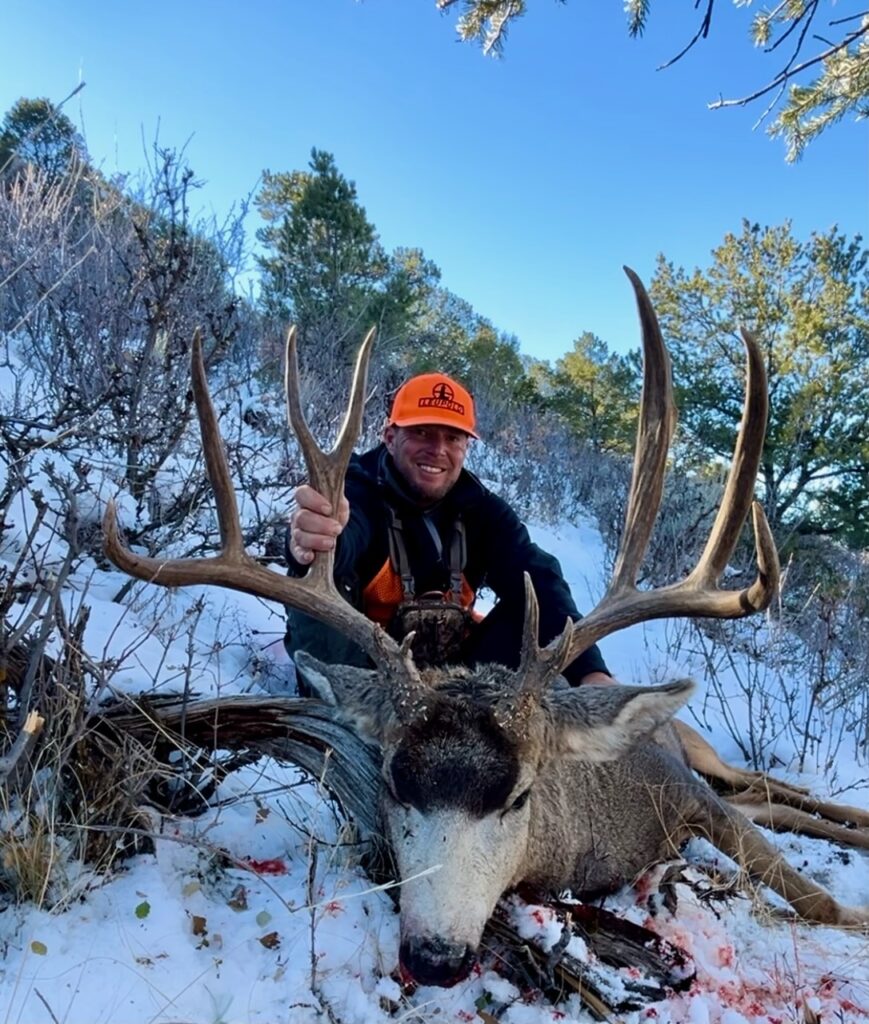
(698, 594)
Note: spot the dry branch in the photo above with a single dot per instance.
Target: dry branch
(23, 744)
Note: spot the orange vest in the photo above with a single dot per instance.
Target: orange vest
(393, 583)
(384, 594)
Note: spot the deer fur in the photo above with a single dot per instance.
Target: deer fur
(591, 791)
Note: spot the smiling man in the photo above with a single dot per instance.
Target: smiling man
(417, 536)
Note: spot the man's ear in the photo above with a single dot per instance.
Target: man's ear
(358, 693)
(388, 435)
(600, 723)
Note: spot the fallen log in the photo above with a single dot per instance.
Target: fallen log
(298, 730)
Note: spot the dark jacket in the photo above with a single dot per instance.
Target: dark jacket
(499, 551)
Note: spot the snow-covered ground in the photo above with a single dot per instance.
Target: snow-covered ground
(259, 911)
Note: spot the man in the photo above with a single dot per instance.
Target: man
(416, 537)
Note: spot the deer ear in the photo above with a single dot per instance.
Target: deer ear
(358, 693)
(600, 723)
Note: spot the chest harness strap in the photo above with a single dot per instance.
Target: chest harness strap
(401, 563)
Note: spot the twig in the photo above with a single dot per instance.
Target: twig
(44, 1002)
(26, 738)
(703, 32)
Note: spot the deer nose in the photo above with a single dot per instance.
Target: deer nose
(434, 961)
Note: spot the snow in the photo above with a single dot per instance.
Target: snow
(257, 911)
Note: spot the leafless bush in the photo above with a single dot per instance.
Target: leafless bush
(791, 688)
(79, 795)
(546, 473)
(100, 293)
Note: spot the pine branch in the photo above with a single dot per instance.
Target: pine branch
(789, 71)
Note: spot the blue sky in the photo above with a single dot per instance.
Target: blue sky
(528, 180)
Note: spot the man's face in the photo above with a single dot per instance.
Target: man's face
(429, 458)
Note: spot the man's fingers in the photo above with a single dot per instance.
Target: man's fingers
(303, 557)
(314, 524)
(303, 546)
(311, 500)
(343, 511)
(312, 541)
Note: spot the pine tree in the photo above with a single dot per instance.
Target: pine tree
(325, 270)
(808, 305)
(37, 132)
(596, 392)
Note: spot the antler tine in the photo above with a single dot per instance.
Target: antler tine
(352, 424)
(698, 595)
(759, 596)
(326, 470)
(537, 667)
(738, 492)
(657, 420)
(231, 539)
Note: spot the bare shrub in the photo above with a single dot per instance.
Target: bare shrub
(545, 472)
(795, 681)
(101, 292)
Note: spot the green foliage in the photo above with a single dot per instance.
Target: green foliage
(637, 11)
(36, 132)
(486, 21)
(596, 392)
(841, 89)
(324, 268)
(807, 304)
(453, 338)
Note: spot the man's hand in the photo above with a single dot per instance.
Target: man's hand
(314, 525)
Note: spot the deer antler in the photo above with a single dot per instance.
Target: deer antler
(235, 569)
(698, 594)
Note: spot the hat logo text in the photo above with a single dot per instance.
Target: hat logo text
(442, 396)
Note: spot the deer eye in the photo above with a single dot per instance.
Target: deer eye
(397, 788)
(520, 801)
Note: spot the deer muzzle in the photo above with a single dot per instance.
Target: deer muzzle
(435, 961)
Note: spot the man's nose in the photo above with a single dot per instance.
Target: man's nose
(437, 443)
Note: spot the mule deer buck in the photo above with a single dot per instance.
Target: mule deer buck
(497, 776)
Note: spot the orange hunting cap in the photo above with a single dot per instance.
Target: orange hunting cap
(433, 398)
